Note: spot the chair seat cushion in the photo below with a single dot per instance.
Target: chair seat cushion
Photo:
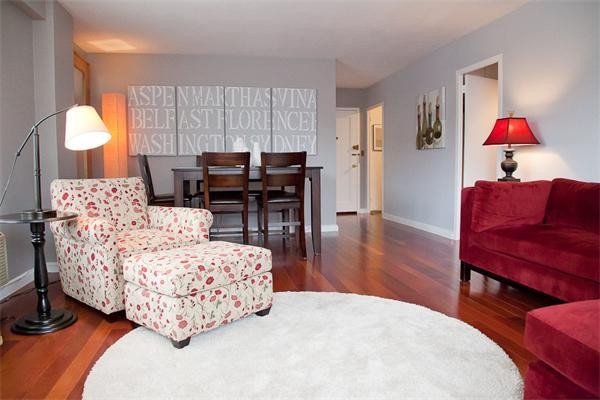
(567, 338)
(226, 197)
(571, 250)
(189, 270)
(280, 196)
(149, 240)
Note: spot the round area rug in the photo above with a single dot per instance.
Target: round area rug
(314, 346)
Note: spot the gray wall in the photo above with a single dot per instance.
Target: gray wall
(114, 72)
(356, 98)
(36, 79)
(550, 65)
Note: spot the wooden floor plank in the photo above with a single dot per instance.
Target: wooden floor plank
(369, 256)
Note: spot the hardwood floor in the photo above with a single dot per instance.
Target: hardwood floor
(368, 256)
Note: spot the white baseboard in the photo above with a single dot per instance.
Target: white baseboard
(324, 228)
(362, 211)
(23, 280)
(436, 230)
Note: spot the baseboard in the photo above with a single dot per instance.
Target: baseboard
(23, 280)
(362, 211)
(324, 228)
(436, 230)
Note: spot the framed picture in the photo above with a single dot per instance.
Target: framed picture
(377, 137)
(431, 120)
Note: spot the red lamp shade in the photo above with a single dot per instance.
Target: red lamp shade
(511, 131)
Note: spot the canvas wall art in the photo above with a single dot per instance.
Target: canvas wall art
(248, 117)
(431, 120)
(151, 120)
(294, 120)
(200, 119)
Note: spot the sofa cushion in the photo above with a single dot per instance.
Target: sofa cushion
(570, 250)
(508, 203)
(193, 269)
(574, 203)
(567, 338)
(144, 240)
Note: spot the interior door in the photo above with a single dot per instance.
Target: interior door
(480, 113)
(348, 157)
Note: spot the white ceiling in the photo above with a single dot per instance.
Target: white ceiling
(369, 39)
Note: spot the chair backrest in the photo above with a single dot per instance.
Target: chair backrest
(225, 171)
(146, 175)
(283, 169)
(121, 201)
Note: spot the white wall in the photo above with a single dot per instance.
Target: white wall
(114, 72)
(375, 117)
(550, 60)
(36, 80)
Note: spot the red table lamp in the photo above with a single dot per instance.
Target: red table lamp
(510, 131)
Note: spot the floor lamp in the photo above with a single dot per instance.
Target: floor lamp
(84, 130)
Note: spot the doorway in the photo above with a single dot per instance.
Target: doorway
(375, 135)
(347, 141)
(479, 104)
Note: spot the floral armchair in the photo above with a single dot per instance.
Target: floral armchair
(114, 222)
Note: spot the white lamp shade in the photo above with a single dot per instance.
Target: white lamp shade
(85, 129)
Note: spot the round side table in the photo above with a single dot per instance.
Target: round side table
(45, 320)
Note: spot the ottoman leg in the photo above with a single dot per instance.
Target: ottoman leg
(264, 312)
(181, 343)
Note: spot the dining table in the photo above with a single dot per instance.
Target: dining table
(186, 177)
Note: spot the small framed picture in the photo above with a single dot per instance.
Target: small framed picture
(377, 137)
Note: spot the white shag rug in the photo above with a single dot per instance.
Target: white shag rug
(313, 346)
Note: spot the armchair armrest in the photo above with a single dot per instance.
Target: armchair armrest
(180, 220)
(92, 230)
(466, 212)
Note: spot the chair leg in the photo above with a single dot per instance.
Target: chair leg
(180, 344)
(259, 220)
(285, 218)
(264, 312)
(302, 232)
(465, 272)
(245, 228)
(265, 213)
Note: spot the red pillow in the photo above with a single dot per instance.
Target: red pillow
(509, 203)
(574, 203)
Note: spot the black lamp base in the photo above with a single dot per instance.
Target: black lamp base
(509, 166)
(35, 324)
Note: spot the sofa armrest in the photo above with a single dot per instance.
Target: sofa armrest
(181, 220)
(466, 214)
(86, 229)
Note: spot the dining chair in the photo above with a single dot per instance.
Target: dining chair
(165, 200)
(226, 184)
(283, 170)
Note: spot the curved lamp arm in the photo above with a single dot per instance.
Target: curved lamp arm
(34, 127)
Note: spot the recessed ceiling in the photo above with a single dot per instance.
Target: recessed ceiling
(369, 39)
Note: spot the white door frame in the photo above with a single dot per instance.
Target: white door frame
(459, 124)
(368, 153)
(357, 110)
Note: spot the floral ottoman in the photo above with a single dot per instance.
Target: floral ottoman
(181, 292)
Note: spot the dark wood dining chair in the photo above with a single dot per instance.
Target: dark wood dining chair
(165, 200)
(283, 170)
(226, 185)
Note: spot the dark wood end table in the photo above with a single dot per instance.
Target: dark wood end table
(45, 320)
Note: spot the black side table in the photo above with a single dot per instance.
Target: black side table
(45, 320)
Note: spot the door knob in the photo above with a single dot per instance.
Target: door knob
(355, 147)
(354, 166)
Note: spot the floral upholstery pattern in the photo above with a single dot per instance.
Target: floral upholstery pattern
(114, 222)
(182, 317)
(181, 292)
(189, 270)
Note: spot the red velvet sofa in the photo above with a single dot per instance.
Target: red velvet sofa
(543, 235)
(566, 340)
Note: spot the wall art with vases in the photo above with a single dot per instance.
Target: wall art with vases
(189, 120)
(431, 120)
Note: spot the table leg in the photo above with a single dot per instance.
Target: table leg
(315, 210)
(45, 320)
(178, 189)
